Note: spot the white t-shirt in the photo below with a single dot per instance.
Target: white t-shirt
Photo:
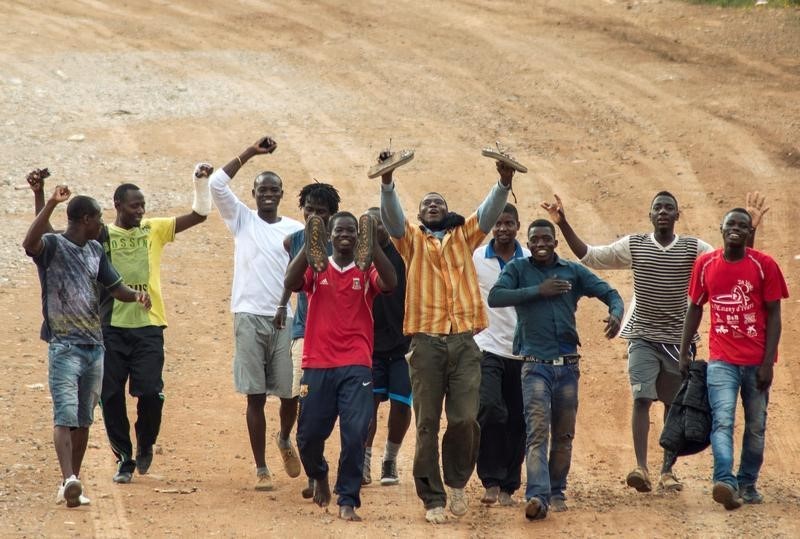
(498, 338)
(259, 260)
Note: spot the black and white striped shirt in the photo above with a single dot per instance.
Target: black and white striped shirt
(660, 282)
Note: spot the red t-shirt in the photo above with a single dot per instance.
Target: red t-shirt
(737, 292)
(339, 320)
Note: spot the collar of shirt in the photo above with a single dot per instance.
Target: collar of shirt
(490, 252)
(556, 262)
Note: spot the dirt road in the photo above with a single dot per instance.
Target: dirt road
(606, 102)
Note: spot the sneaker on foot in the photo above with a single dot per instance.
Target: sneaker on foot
(436, 515)
(639, 479)
(750, 495)
(291, 462)
(535, 509)
(122, 477)
(264, 481)
(669, 482)
(458, 502)
(71, 492)
(389, 473)
(725, 494)
(60, 498)
(491, 496)
(558, 505)
(144, 458)
(506, 500)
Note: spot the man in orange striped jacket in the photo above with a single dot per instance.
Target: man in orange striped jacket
(443, 310)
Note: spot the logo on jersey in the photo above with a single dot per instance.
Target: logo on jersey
(356, 283)
(739, 295)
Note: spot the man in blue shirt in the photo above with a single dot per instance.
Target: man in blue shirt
(545, 290)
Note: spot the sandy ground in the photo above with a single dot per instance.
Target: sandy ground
(607, 102)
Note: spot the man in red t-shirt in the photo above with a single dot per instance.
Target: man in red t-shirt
(744, 288)
(337, 352)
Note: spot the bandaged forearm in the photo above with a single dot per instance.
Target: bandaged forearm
(202, 195)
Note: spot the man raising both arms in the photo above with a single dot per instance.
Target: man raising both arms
(262, 363)
(443, 310)
(662, 262)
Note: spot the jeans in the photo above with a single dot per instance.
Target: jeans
(550, 400)
(444, 369)
(75, 372)
(724, 381)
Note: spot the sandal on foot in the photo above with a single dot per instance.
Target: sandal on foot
(395, 160)
(669, 483)
(639, 479)
(315, 248)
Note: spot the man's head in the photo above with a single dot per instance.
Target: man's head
(344, 232)
(664, 212)
(736, 227)
(267, 192)
(542, 241)
(382, 234)
(319, 199)
(506, 227)
(84, 213)
(129, 203)
(432, 210)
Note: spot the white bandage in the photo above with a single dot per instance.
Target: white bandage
(202, 195)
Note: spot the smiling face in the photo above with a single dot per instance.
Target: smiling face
(432, 209)
(267, 192)
(542, 244)
(505, 230)
(344, 232)
(664, 213)
(736, 229)
(130, 209)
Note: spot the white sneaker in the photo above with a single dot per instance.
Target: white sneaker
(71, 493)
(458, 502)
(436, 515)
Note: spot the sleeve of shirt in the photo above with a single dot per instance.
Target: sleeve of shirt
(506, 291)
(107, 275)
(46, 254)
(697, 290)
(405, 243)
(595, 287)
(703, 247)
(492, 206)
(162, 228)
(473, 232)
(372, 279)
(614, 256)
(775, 288)
(308, 282)
(392, 216)
(227, 203)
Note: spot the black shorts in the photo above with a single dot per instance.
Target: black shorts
(390, 379)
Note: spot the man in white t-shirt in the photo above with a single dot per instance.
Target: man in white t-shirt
(262, 363)
(500, 414)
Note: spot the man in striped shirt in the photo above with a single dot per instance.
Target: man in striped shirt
(662, 263)
(443, 309)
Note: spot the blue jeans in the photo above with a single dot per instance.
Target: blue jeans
(724, 381)
(75, 373)
(550, 401)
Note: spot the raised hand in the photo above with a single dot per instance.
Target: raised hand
(203, 170)
(755, 204)
(553, 286)
(555, 210)
(506, 173)
(264, 145)
(36, 179)
(60, 194)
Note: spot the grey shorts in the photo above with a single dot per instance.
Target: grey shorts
(262, 361)
(297, 362)
(653, 370)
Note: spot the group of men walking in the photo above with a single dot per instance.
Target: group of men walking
(417, 313)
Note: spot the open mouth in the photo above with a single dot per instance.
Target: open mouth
(542, 252)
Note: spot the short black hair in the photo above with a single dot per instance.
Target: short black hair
(512, 210)
(543, 223)
(324, 192)
(739, 210)
(339, 215)
(267, 174)
(82, 206)
(119, 192)
(665, 194)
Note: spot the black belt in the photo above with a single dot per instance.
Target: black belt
(569, 359)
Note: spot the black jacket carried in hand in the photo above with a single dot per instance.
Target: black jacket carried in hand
(687, 429)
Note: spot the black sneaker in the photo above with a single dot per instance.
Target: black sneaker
(123, 477)
(389, 473)
(144, 458)
(750, 495)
